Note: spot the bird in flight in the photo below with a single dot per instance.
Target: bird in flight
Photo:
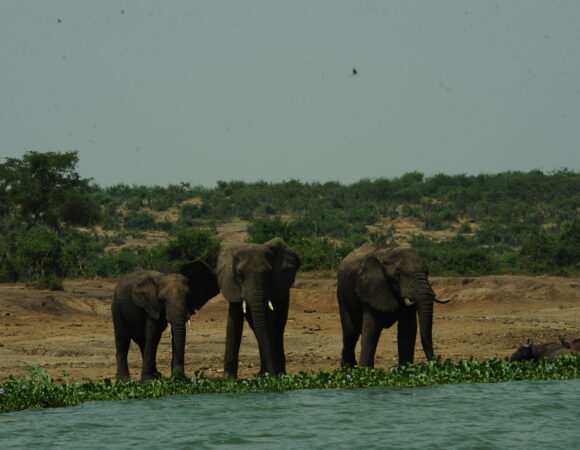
(354, 72)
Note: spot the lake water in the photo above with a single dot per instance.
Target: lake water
(505, 415)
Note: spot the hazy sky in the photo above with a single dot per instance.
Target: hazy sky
(160, 92)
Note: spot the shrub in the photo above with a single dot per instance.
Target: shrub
(457, 256)
(319, 253)
(41, 254)
(139, 221)
(191, 244)
(262, 230)
(464, 228)
(192, 211)
(51, 282)
(553, 252)
(114, 264)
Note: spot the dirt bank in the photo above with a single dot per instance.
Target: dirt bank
(71, 330)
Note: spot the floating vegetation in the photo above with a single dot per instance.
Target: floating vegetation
(37, 390)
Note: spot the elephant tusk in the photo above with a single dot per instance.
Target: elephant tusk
(244, 306)
(435, 299)
(270, 305)
(189, 324)
(408, 301)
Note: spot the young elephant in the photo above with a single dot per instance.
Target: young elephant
(531, 352)
(145, 301)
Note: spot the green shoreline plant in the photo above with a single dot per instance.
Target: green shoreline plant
(37, 390)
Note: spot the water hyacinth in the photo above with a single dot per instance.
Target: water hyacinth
(38, 390)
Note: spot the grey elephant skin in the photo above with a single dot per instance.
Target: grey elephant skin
(378, 287)
(255, 279)
(145, 301)
(536, 352)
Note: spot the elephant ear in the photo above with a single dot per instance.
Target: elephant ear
(372, 286)
(145, 295)
(285, 263)
(202, 282)
(227, 276)
(391, 263)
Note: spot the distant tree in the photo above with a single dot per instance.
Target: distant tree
(45, 188)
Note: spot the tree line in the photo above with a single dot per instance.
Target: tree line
(510, 222)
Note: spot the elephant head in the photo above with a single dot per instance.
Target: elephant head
(258, 276)
(175, 298)
(394, 278)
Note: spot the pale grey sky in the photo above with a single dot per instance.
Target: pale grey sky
(160, 92)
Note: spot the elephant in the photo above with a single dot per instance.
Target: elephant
(144, 302)
(537, 352)
(574, 345)
(255, 279)
(378, 286)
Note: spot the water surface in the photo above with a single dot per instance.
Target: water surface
(527, 415)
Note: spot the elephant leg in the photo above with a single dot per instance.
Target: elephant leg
(152, 337)
(371, 332)
(279, 327)
(235, 326)
(351, 322)
(407, 335)
(178, 340)
(122, 344)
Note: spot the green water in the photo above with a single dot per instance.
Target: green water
(526, 415)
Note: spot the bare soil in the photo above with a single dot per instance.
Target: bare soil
(71, 330)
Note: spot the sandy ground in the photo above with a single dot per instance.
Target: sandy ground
(71, 330)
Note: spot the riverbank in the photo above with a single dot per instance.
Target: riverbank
(71, 330)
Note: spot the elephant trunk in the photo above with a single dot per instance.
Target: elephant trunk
(425, 314)
(178, 347)
(260, 312)
(258, 304)
(425, 296)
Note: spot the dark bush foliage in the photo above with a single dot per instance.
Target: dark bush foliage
(555, 252)
(45, 188)
(191, 244)
(506, 222)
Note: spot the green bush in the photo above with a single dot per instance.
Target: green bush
(262, 230)
(319, 253)
(553, 252)
(464, 228)
(134, 204)
(51, 282)
(457, 256)
(139, 221)
(190, 244)
(192, 211)
(114, 264)
(41, 254)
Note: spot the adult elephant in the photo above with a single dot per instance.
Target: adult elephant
(145, 301)
(256, 280)
(378, 287)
